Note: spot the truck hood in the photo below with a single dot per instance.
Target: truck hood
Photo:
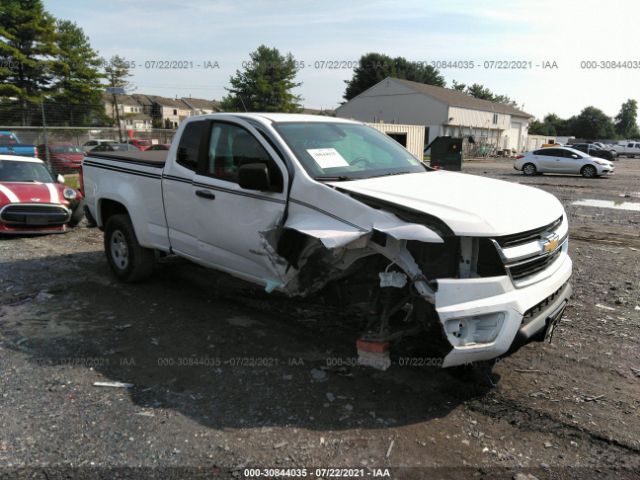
(470, 205)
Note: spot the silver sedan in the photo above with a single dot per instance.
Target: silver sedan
(562, 160)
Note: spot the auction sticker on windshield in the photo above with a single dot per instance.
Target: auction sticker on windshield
(327, 157)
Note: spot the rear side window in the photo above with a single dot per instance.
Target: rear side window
(189, 146)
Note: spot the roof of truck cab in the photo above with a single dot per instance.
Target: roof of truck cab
(291, 117)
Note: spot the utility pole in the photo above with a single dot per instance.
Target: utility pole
(46, 136)
(120, 91)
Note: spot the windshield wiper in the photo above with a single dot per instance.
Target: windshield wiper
(389, 174)
(333, 178)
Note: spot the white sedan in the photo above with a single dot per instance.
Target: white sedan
(562, 160)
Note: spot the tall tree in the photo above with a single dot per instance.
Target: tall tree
(627, 120)
(117, 72)
(374, 67)
(27, 48)
(265, 85)
(459, 86)
(479, 91)
(592, 124)
(78, 88)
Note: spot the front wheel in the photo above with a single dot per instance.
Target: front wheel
(127, 258)
(588, 171)
(529, 169)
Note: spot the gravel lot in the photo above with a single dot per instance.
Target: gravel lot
(227, 378)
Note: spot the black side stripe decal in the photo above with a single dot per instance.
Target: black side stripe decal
(221, 189)
(122, 169)
(328, 214)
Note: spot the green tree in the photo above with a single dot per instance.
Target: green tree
(459, 86)
(375, 67)
(78, 88)
(27, 49)
(626, 121)
(592, 123)
(265, 85)
(117, 72)
(479, 91)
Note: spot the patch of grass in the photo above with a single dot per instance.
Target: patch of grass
(72, 180)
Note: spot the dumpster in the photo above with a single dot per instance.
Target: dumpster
(446, 153)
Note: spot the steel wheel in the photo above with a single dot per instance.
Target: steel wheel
(119, 250)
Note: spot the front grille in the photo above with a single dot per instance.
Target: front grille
(538, 307)
(35, 215)
(528, 236)
(535, 265)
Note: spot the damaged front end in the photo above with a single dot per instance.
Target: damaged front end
(389, 270)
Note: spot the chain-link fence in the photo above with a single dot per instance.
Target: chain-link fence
(47, 123)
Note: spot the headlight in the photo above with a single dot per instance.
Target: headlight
(69, 193)
(602, 162)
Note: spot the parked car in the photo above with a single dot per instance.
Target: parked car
(295, 203)
(606, 146)
(63, 157)
(628, 149)
(562, 160)
(160, 146)
(10, 144)
(91, 144)
(32, 201)
(115, 147)
(140, 144)
(593, 150)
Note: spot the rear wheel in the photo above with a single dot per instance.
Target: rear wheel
(127, 258)
(529, 169)
(588, 171)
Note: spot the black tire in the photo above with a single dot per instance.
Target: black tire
(529, 169)
(77, 215)
(589, 171)
(129, 261)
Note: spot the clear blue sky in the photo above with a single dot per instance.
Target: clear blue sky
(225, 31)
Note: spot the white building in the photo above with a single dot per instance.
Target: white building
(441, 111)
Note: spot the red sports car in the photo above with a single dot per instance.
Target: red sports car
(32, 201)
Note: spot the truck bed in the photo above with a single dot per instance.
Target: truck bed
(153, 158)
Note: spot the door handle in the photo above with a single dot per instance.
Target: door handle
(205, 194)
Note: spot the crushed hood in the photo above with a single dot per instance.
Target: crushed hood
(470, 205)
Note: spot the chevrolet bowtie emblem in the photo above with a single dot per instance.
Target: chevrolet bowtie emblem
(550, 243)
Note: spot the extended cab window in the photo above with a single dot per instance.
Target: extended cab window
(189, 147)
(230, 147)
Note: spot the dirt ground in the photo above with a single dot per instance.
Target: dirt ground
(226, 378)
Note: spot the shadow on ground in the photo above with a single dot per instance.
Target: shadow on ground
(215, 350)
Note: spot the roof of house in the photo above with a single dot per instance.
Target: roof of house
(200, 103)
(122, 99)
(456, 98)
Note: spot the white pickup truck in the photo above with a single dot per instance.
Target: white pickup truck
(302, 204)
(628, 149)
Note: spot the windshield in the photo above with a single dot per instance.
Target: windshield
(65, 149)
(16, 171)
(345, 151)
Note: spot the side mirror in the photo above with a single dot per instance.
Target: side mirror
(60, 178)
(254, 176)
(573, 155)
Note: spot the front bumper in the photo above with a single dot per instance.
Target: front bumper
(484, 318)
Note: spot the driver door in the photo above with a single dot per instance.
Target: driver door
(236, 225)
